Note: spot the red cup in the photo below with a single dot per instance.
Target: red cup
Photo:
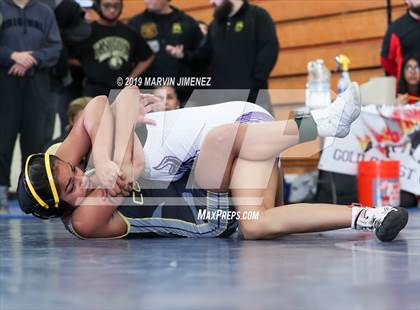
(379, 183)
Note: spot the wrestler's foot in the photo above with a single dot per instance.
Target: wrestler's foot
(387, 222)
(336, 119)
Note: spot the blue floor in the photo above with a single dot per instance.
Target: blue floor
(44, 267)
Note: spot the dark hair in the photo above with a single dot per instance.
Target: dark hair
(402, 83)
(97, 4)
(39, 180)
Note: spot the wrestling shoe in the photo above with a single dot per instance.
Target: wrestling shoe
(387, 222)
(335, 120)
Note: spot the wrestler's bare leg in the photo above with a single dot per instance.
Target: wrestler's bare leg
(252, 142)
(240, 158)
(275, 222)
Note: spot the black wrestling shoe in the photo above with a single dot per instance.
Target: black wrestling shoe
(387, 222)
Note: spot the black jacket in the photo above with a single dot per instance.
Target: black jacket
(161, 30)
(241, 50)
(73, 29)
(401, 39)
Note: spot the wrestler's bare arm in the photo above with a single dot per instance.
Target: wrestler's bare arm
(99, 219)
(79, 141)
(128, 151)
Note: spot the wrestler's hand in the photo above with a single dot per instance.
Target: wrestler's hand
(152, 103)
(107, 173)
(120, 188)
(148, 103)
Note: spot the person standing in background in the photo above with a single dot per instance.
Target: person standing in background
(73, 29)
(160, 25)
(409, 83)
(401, 39)
(112, 51)
(409, 93)
(241, 48)
(30, 45)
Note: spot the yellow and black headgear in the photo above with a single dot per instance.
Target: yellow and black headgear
(37, 191)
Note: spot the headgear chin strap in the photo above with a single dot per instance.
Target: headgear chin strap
(51, 182)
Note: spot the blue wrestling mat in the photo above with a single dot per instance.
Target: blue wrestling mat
(42, 266)
(15, 212)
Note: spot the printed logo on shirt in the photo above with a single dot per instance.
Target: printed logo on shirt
(149, 30)
(154, 45)
(239, 26)
(176, 28)
(114, 50)
(20, 22)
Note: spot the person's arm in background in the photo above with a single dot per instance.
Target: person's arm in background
(5, 51)
(142, 66)
(267, 49)
(196, 36)
(48, 55)
(200, 55)
(391, 54)
(5, 56)
(143, 54)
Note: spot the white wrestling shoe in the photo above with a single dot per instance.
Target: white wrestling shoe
(387, 222)
(336, 119)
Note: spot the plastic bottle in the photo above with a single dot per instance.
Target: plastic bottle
(318, 85)
(344, 81)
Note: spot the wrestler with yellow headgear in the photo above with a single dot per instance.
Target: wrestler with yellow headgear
(202, 171)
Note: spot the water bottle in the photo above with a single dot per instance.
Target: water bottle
(318, 87)
(344, 81)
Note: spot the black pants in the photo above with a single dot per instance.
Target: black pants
(24, 106)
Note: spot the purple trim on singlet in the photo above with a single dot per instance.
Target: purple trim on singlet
(254, 117)
(176, 166)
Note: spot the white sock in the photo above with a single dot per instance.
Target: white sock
(355, 211)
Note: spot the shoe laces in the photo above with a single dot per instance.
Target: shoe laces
(379, 217)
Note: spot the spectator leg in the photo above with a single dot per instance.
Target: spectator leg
(36, 101)
(10, 117)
